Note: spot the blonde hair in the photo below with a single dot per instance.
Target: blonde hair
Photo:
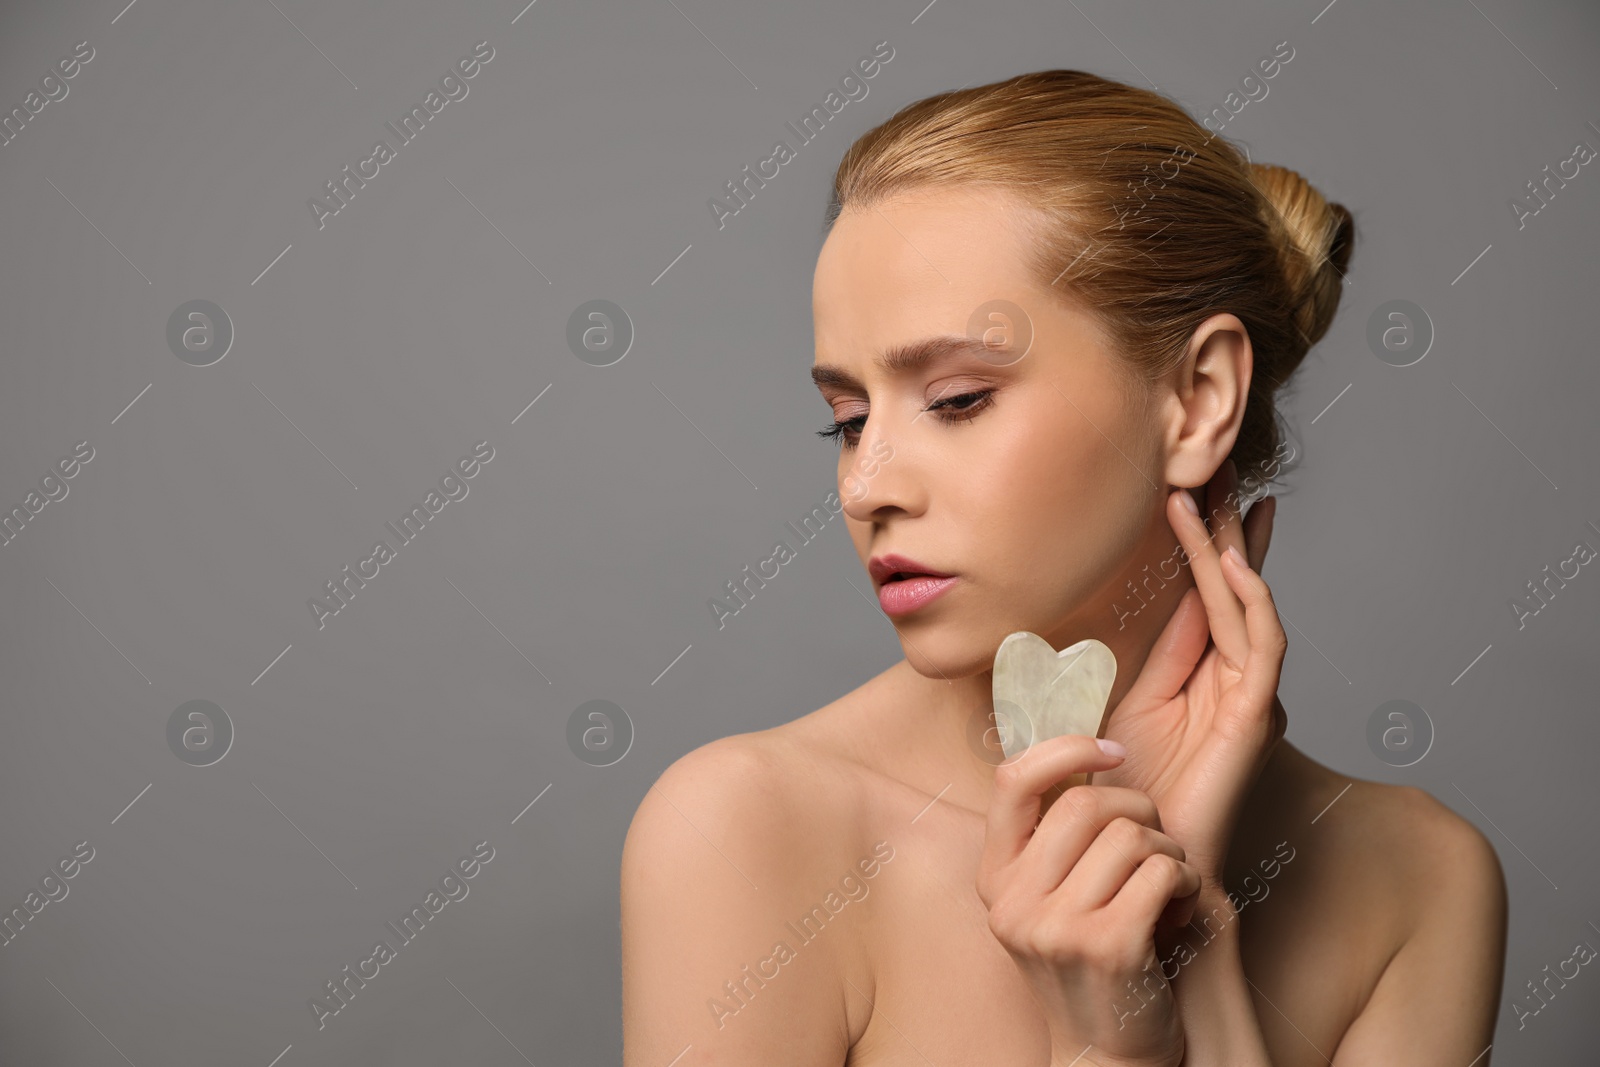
(1148, 220)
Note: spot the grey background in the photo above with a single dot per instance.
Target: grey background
(375, 352)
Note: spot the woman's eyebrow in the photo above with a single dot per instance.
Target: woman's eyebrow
(911, 356)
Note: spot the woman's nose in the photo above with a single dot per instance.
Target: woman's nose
(879, 477)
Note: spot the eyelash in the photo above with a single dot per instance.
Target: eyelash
(838, 431)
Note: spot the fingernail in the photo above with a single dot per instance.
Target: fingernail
(1188, 502)
(1110, 747)
(1237, 558)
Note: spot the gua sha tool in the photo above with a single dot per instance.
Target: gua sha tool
(1040, 693)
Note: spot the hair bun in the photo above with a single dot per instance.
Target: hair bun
(1315, 239)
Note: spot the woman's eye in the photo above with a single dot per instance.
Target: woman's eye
(963, 407)
(838, 431)
(951, 410)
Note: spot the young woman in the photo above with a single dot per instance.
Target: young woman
(1046, 310)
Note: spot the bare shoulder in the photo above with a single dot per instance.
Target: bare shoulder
(1418, 844)
(728, 850)
(770, 791)
(740, 802)
(1399, 898)
(1414, 896)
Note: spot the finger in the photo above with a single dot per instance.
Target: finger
(1111, 859)
(1224, 507)
(1224, 613)
(1145, 896)
(1179, 911)
(1070, 828)
(1258, 531)
(1258, 685)
(1173, 657)
(1018, 787)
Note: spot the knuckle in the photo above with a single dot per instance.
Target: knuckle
(1182, 854)
(1124, 833)
(1006, 922)
(1058, 938)
(1007, 775)
(1096, 946)
(1090, 802)
(1166, 870)
(1148, 813)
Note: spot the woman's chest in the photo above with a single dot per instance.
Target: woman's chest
(945, 991)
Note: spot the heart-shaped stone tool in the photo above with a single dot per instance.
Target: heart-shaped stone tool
(1040, 693)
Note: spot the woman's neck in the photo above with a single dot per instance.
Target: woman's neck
(947, 713)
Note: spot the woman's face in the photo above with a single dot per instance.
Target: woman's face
(1043, 493)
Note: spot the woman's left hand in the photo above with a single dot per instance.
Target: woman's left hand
(1204, 715)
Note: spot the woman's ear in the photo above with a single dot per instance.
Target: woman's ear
(1204, 399)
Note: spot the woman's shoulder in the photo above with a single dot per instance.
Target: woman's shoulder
(1403, 823)
(1411, 848)
(782, 796)
(737, 856)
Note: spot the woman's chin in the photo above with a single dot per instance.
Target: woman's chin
(948, 650)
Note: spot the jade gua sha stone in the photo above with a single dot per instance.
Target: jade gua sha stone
(1040, 693)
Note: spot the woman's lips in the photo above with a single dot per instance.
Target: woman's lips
(905, 595)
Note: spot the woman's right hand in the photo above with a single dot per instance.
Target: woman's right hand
(1077, 899)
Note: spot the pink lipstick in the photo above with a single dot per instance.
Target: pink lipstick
(904, 585)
